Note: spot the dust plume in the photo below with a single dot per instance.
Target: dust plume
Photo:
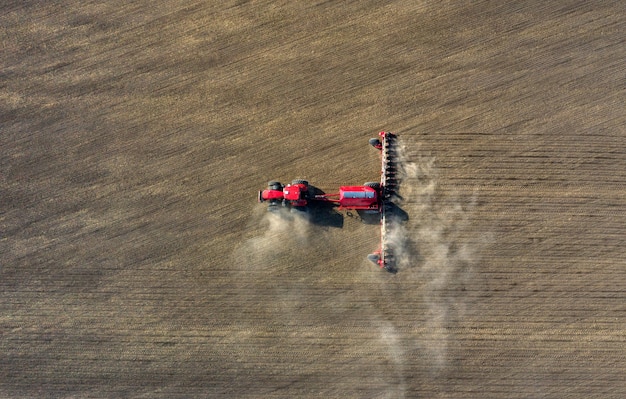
(390, 338)
(282, 224)
(435, 253)
(432, 250)
(276, 234)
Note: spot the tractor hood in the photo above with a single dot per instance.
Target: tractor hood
(269, 195)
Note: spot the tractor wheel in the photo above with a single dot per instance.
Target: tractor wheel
(274, 185)
(375, 143)
(300, 181)
(373, 184)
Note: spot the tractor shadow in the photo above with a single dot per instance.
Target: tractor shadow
(393, 212)
(323, 213)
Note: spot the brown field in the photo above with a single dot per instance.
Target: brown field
(135, 261)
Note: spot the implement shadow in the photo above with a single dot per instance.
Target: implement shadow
(323, 213)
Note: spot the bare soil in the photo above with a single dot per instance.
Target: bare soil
(135, 261)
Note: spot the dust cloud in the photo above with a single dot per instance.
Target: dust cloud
(275, 234)
(436, 255)
(390, 338)
(432, 253)
(282, 224)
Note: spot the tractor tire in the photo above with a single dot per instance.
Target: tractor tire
(274, 185)
(300, 181)
(375, 143)
(373, 184)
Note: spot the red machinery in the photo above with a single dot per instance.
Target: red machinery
(365, 197)
(294, 195)
(389, 183)
(297, 195)
(372, 197)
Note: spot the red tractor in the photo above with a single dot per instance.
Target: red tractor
(294, 195)
(372, 197)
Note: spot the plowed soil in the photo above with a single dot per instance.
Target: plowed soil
(136, 262)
